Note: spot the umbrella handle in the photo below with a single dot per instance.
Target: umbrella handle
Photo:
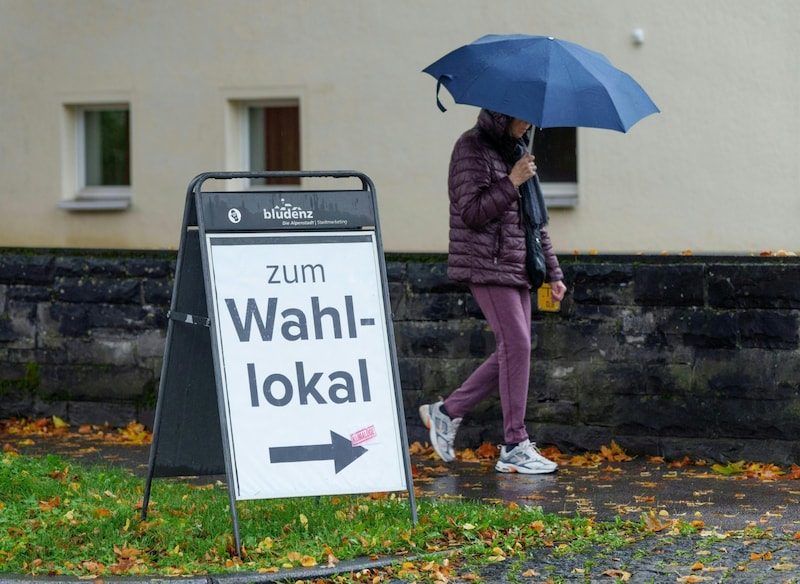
(438, 86)
(530, 143)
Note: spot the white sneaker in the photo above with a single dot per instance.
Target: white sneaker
(524, 458)
(442, 430)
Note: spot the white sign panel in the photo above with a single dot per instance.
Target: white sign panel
(305, 363)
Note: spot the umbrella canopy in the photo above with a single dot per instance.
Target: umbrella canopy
(545, 81)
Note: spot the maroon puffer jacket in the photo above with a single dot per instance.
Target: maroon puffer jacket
(487, 241)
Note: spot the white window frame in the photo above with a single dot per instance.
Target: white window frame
(562, 195)
(237, 151)
(77, 196)
(244, 136)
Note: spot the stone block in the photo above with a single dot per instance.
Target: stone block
(409, 369)
(30, 294)
(737, 374)
(431, 278)
(118, 316)
(571, 439)
(580, 340)
(754, 285)
(11, 374)
(15, 403)
(669, 285)
(552, 412)
(74, 266)
(604, 390)
(440, 377)
(786, 368)
(768, 329)
(7, 333)
(434, 306)
(704, 328)
(20, 269)
(450, 339)
(396, 272)
(599, 284)
(94, 382)
(21, 320)
(759, 418)
(397, 300)
(116, 415)
(70, 320)
(151, 343)
(102, 349)
(160, 268)
(157, 292)
(669, 379)
(98, 290)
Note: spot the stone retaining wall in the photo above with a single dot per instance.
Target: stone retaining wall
(668, 355)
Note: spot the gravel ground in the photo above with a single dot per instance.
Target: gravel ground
(662, 559)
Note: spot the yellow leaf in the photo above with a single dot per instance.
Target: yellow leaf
(785, 567)
(307, 561)
(303, 520)
(59, 423)
(468, 527)
(269, 570)
(620, 575)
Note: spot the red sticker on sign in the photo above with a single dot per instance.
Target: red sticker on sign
(363, 435)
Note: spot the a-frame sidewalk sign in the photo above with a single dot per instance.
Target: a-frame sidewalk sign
(280, 366)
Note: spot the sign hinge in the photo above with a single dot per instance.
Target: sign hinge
(189, 318)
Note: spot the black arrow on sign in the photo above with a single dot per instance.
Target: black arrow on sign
(340, 450)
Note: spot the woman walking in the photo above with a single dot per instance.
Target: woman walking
(487, 251)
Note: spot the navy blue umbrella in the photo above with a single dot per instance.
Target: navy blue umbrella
(547, 82)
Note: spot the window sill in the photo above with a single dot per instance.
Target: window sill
(95, 205)
(560, 195)
(104, 198)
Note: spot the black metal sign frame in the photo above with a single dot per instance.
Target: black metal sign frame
(190, 433)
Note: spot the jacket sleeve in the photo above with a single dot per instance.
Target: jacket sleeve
(554, 272)
(476, 193)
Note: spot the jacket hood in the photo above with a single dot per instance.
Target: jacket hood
(494, 126)
(493, 123)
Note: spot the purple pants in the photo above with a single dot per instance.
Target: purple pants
(507, 370)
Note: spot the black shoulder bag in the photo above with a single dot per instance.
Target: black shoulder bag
(534, 215)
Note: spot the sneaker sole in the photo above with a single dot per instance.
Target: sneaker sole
(512, 468)
(425, 416)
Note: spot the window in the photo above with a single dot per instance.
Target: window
(273, 140)
(100, 160)
(557, 165)
(106, 147)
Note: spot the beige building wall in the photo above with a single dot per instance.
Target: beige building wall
(716, 171)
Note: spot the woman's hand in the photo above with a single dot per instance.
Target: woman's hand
(523, 169)
(557, 290)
